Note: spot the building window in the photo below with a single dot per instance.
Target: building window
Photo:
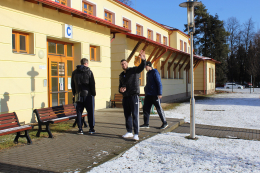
(126, 23)
(165, 40)
(175, 72)
(20, 42)
(60, 48)
(139, 30)
(185, 47)
(181, 45)
(180, 72)
(210, 75)
(150, 34)
(87, 8)
(93, 53)
(158, 38)
(162, 71)
(137, 62)
(108, 16)
(169, 71)
(63, 2)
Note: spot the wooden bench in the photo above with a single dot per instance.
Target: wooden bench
(53, 115)
(9, 123)
(117, 98)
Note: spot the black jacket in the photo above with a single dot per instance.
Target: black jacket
(130, 80)
(83, 81)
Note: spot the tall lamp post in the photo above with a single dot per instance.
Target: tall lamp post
(190, 4)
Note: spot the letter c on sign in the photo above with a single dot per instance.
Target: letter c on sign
(68, 31)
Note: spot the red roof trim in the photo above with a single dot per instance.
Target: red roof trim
(82, 14)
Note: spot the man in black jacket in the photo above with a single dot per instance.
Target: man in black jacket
(83, 89)
(129, 87)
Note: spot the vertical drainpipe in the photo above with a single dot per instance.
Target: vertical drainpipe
(114, 36)
(204, 78)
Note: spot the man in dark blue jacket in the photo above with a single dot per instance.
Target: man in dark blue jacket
(129, 87)
(153, 95)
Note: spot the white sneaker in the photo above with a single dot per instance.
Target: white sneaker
(136, 138)
(128, 135)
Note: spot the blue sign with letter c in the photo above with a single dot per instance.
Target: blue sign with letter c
(69, 31)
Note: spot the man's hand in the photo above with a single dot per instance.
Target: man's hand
(159, 96)
(142, 54)
(122, 89)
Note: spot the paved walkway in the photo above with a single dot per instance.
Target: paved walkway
(221, 132)
(70, 152)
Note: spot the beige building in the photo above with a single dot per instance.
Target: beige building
(43, 40)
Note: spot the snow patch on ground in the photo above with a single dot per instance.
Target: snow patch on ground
(239, 110)
(172, 152)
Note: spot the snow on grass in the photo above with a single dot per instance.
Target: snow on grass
(240, 109)
(172, 152)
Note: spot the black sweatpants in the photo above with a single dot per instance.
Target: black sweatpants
(89, 104)
(148, 102)
(131, 111)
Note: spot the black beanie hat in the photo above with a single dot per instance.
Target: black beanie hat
(148, 63)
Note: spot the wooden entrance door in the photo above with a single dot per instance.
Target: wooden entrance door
(60, 67)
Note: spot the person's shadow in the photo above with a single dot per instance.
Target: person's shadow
(4, 106)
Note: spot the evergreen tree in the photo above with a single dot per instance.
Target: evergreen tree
(210, 40)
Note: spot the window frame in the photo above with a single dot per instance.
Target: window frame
(175, 72)
(185, 46)
(165, 40)
(181, 44)
(112, 15)
(65, 48)
(88, 4)
(95, 53)
(149, 30)
(60, 2)
(17, 42)
(162, 71)
(141, 29)
(158, 34)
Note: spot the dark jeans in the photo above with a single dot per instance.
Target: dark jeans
(131, 111)
(88, 102)
(148, 102)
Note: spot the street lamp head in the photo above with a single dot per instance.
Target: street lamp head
(190, 4)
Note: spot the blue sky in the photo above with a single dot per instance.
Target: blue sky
(169, 13)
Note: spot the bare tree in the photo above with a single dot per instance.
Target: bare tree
(233, 27)
(127, 2)
(248, 32)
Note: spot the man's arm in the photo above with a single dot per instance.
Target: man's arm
(141, 67)
(158, 82)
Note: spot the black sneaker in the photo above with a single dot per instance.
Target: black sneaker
(164, 125)
(144, 126)
(91, 131)
(80, 132)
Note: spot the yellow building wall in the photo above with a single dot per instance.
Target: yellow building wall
(16, 93)
(199, 78)
(210, 85)
(175, 38)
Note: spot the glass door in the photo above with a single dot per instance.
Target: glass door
(60, 69)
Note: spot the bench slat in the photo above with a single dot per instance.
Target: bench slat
(8, 117)
(15, 129)
(5, 126)
(8, 121)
